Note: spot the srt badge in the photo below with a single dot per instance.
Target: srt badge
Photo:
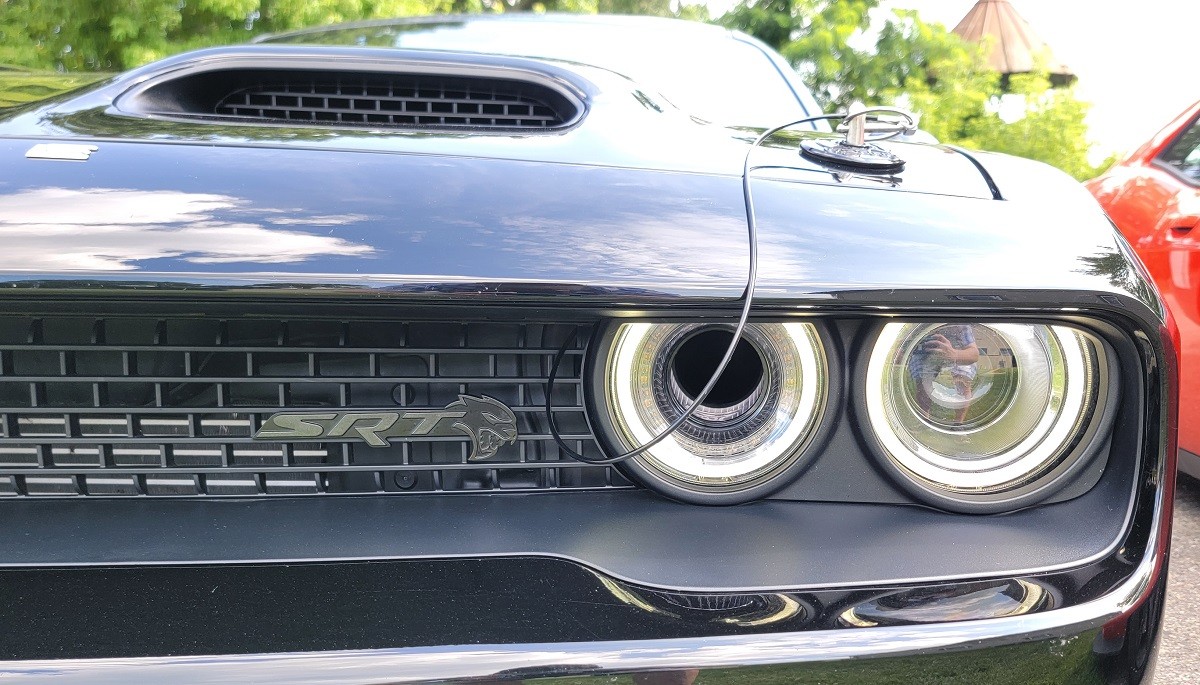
(487, 422)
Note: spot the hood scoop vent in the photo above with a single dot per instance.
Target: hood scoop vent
(360, 99)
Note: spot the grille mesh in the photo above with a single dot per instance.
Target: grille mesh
(401, 100)
(167, 406)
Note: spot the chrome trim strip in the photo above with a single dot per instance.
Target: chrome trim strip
(487, 662)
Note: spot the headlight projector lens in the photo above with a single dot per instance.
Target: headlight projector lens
(982, 412)
(752, 426)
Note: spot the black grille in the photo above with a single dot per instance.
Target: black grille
(401, 100)
(167, 406)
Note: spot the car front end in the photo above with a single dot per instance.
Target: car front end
(364, 396)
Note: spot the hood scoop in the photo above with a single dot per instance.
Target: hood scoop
(361, 98)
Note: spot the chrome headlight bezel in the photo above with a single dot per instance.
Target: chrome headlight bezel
(1043, 470)
(821, 395)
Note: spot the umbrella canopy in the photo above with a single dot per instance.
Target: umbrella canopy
(1014, 48)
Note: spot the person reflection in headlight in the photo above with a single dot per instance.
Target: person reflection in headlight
(949, 350)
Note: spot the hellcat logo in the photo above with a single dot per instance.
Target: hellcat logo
(486, 421)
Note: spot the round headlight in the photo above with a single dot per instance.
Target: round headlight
(752, 426)
(981, 411)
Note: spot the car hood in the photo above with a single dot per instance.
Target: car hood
(622, 124)
(634, 199)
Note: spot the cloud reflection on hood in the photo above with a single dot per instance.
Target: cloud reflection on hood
(108, 229)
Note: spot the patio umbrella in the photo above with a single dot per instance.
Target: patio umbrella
(1013, 47)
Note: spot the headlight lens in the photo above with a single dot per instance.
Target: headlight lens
(976, 409)
(753, 425)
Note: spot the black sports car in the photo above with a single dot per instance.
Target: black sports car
(506, 348)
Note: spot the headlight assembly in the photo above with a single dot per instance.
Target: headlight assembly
(972, 414)
(750, 430)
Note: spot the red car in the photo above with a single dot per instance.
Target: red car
(1154, 198)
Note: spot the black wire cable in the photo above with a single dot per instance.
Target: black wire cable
(747, 300)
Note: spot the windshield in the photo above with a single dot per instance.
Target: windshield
(703, 70)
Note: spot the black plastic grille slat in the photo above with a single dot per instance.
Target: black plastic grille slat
(127, 406)
(399, 100)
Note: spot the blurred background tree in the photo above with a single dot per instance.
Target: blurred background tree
(847, 61)
(113, 35)
(924, 67)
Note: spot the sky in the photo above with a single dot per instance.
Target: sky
(1137, 62)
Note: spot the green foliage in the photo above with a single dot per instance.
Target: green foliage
(936, 73)
(923, 67)
(113, 35)
(653, 8)
(19, 87)
(1052, 128)
(815, 36)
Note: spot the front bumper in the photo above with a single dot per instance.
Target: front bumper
(1112, 639)
(1106, 634)
(1095, 643)
(156, 623)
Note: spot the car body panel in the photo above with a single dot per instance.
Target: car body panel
(227, 216)
(1157, 210)
(1112, 639)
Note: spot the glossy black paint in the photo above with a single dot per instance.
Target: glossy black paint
(635, 536)
(636, 210)
(317, 208)
(256, 609)
(228, 217)
(1096, 648)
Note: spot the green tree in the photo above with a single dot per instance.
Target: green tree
(923, 67)
(815, 36)
(1051, 129)
(933, 72)
(654, 8)
(112, 35)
